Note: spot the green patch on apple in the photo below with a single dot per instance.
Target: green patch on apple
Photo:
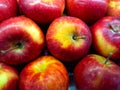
(3, 79)
(40, 67)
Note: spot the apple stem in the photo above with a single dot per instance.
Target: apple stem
(17, 45)
(107, 59)
(5, 51)
(79, 37)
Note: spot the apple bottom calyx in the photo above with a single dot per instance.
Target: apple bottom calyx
(17, 45)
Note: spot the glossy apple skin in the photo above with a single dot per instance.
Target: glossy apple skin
(8, 8)
(42, 11)
(113, 8)
(8, 77)
(60, 38)
(22, 39)
(91, 73)
(88, 10)
(105, 39)
(44, 73)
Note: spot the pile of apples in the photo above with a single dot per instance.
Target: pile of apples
(42, 41)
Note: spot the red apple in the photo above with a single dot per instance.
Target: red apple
(44, 73)
(114, 8)
(42, 11)
(21, 40)
(94, 72)
(68, 38)
(8, 77)
(106, 36)
(8, 8)
(88, 10)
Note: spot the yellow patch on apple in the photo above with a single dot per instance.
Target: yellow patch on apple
(4, 77)
(48, 1)
(114, 4)
(44, 1)
(42, 65)
(65, 34)
(32, 29)
(35, 34)
(107, 48)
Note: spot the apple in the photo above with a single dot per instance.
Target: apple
(106, 36)
(42, 11)
(114, 8)
(8, 77)
(21, 40)
(95, 72)
(68, 38)
(8, 8)
(44, 73)
(88, 10)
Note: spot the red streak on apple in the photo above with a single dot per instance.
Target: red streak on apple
(44, 73)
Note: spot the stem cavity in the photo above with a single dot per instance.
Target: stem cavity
(79, 37)
(18, 45)
(115, 28)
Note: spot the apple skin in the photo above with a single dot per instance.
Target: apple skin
(8, 8)
(44, 73)
(91, 73)
(8, 77)
(113, 8)
(42, 11)
(88, 10)
(106, 36)
(21, 40)
(61, 42)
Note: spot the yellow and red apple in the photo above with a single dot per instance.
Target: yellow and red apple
(9, 78)
(114, 8)
(95, 72)
(21, 40)
(44, 73)
(106, 36)
(68, 38)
